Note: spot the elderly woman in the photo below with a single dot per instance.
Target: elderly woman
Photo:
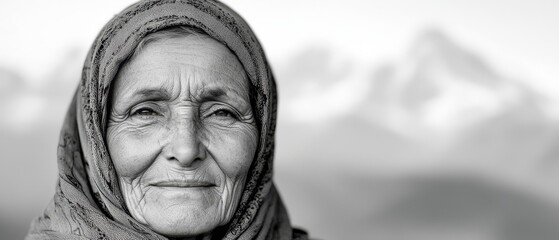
(170, 133)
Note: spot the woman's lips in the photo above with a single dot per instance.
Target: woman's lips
(184, 184)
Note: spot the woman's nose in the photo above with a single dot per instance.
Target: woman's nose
(185, 146)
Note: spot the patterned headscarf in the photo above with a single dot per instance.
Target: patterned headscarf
(88, 203)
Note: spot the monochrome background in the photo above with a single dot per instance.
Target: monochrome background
(428, 119)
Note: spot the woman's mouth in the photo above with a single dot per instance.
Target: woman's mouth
(184, 184)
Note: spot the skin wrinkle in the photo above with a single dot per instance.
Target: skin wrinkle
(171, 95)
(211, 68)
(133, 187)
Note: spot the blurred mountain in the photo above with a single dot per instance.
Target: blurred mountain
(440, 104)
(441, 87)
(423, 153)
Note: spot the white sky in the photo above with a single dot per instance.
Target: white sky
(518, 37)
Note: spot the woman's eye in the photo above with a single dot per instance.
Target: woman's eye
(145, 112)
(223, 113)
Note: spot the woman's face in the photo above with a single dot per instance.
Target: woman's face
(182, 134)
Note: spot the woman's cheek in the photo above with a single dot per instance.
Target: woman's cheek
(234, 148)
(133, 148)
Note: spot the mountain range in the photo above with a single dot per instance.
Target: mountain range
(435, 145)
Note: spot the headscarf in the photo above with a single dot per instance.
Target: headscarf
(88, 203)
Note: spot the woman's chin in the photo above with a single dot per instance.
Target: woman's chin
(182, 229)
(179, 215)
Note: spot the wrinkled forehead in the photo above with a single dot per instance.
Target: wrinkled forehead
(191, 50)
(195, 65)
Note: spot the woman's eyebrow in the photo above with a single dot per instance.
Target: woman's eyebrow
(149, 94)
(212, 94)
(153, 93)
